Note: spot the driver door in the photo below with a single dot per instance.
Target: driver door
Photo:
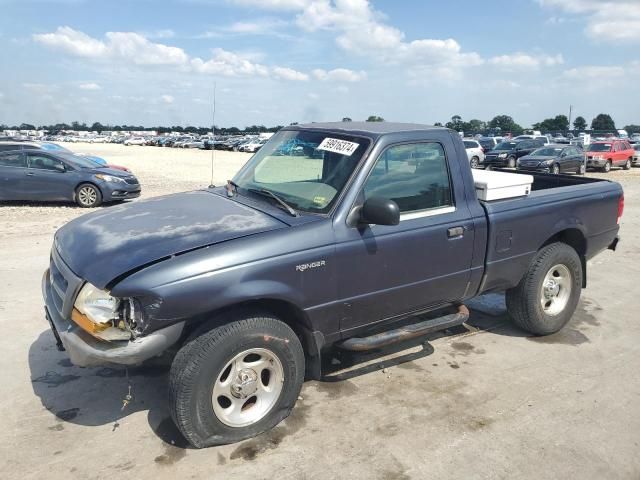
(47, 178)
(425, 260)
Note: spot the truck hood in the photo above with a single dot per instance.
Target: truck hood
(102, 246)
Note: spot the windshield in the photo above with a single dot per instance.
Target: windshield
(487, 143)
(506, 146)
(79, 161)
(306, 169)
(546, 152)
(599, 147)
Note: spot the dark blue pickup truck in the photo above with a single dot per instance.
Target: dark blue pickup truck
(338, 235)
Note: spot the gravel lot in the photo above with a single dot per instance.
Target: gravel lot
(488, 403)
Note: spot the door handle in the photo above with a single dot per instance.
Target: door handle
(455, 232)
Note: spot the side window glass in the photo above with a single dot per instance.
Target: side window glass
(415, 176)
(14, 159)
(43, 162)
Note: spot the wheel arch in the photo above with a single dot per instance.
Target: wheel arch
(575, 238)
(88, 182)
(287, 312)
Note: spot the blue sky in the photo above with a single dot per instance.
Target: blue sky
(280, 61)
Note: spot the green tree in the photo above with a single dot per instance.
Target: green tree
(97, 127)
(603, 121)
(26, 126)
(375, 118)
(558, 124)
(475, 126)
(580, 123)
(456, 123)
(505, 124)
(346, 119)
(437, 124)
(631, 129)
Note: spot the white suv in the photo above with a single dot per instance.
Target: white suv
(475, 152)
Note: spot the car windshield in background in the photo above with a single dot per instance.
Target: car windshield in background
(546, 152)
(52, 147)
(470, 144)
(306, 169)
(79, 161)
(599, 147)
(506, 146)
(487, 143)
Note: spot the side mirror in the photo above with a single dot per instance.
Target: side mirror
(380, 211)
(60, 167)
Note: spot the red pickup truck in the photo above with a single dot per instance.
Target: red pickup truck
(610, 153)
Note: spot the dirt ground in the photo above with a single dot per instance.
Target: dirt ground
(487, 402)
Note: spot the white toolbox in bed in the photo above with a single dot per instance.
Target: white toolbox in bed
(492, 185)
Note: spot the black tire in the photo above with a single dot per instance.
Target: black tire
(88, 196)
(511, 162)
(475, 162)
(199, 365)
(607, 167)
(581, 170)
(524, 301)
(555, 169)
(627, 165)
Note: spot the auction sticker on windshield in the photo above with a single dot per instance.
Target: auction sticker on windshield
(335, 145)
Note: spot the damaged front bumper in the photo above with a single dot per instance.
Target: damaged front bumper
(86, 351)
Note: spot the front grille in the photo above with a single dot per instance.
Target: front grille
(131, 180)
(64, 285)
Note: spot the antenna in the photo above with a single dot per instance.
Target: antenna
(213, 129)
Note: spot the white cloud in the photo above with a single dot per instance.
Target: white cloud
(228, 64)
(168, 99)
(613, 21)
(133, 48)
(525, 61)
(89, 86)
(594, 72)
(285, 73)
(159, 34)
(339, 75)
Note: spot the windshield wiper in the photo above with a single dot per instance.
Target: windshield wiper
(281, 202)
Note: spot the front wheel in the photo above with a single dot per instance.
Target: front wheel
(581, 170)
(88, 196)
(546, 297)
(511, 163)
(555, 169)
(607, 167)
(236, 381)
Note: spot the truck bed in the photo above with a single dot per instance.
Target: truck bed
(580, 210)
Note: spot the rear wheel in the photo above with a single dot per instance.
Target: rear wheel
(627, 165)
(88, 196)
(546, 297)
(607, 167)
(236, 381)
(475, 161)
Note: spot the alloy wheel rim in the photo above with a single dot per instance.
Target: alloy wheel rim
(87, 195)
(556, 290)
(248, 387)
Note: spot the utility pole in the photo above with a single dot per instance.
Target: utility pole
(570, 111)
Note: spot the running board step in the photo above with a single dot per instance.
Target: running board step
(360, 344)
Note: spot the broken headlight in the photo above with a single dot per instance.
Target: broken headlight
(100, 314)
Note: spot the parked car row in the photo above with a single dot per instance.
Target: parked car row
(536, 153)
(244, 143)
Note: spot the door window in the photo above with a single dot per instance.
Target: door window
(415, 176)
(13, 159)
(43, 162)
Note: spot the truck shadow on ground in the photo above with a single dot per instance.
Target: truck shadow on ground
(95, 396)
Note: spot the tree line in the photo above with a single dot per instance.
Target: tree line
(498, 124)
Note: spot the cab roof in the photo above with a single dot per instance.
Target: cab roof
(369, 129)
